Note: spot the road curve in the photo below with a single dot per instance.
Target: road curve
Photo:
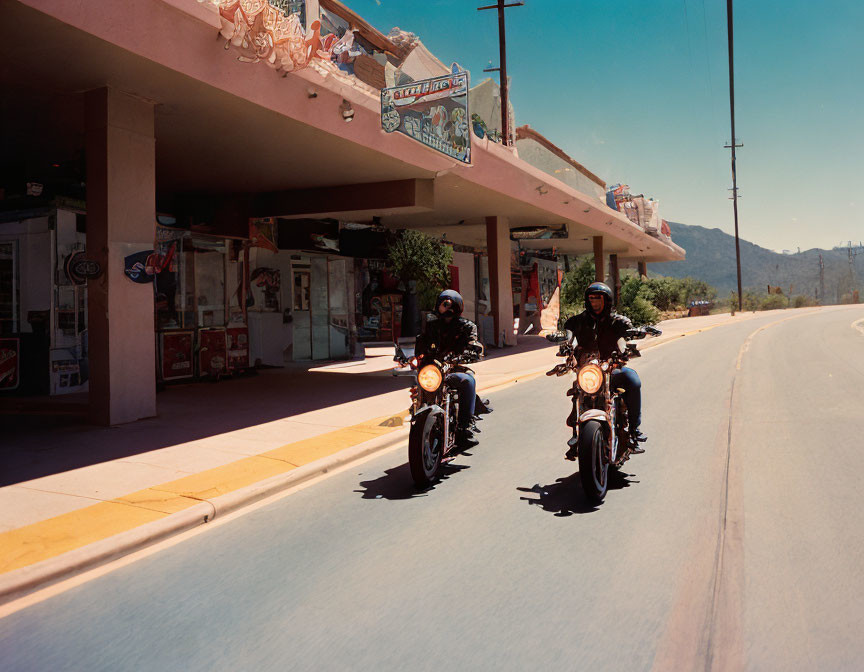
(733, 543)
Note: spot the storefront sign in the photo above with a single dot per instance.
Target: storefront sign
(79, 269)
(10, 349)
(432, 111)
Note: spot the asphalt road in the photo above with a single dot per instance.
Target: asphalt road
(735, 542)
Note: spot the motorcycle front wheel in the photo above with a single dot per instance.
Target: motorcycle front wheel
(593, 467)
(426, 448)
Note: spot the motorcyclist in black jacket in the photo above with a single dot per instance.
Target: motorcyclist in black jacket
(598, 328)
(448, 333)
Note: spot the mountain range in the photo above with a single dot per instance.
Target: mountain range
(711, 257)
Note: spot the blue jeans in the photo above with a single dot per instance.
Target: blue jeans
(628, 380)
(465, 386)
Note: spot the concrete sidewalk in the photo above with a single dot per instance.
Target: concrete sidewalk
(213, 448)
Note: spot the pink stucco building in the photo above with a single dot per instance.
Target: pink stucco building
(133, 132)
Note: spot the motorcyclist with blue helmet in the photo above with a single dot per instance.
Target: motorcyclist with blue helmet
(447, 333)
(598, 328)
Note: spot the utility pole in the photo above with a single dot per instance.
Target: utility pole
(732, 145)
(502, 67)
(821, 278)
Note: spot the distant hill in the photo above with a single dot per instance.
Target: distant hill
(711, 257)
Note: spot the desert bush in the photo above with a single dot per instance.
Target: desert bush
(773, 302)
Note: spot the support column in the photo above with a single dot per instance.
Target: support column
(643, 269)
(615, 277)
(500, 287)
(599, 272)
(121, 210)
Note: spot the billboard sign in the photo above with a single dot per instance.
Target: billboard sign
(432, 111)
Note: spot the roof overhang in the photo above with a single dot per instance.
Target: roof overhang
(224, 126)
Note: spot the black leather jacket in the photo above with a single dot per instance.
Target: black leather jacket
(598, 333)
(441, 339)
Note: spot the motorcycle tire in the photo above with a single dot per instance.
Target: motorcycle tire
(426, 448)
(593, 467)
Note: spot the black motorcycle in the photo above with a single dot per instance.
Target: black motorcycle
(434, 412)
(600, 438)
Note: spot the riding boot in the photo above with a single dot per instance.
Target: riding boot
(637, 437)
(465, 438)
(572, 449)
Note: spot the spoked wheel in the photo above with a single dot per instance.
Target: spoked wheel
(593, 467)
(425, 449)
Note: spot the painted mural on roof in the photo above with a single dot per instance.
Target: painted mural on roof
(267, 32)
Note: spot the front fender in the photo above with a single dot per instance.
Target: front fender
(425, 412)
(594, 414)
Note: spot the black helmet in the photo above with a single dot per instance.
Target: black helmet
(600, 288)
(455, 299)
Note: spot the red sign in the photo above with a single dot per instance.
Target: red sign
(454, 277)
(9, 357)
(263, 233)
(212, 352)
(238, 347)
(177, 354)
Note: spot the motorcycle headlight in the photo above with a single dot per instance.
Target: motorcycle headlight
(429, 378)
(590, 378)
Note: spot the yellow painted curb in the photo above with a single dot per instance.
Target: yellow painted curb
(49, 538)
(54, 536)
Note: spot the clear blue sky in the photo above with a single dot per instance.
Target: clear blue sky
(637, 91)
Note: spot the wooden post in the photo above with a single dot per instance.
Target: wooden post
(643, 269)
(616, 278)
(599, 271)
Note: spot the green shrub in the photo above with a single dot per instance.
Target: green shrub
(773, 302)
(575, 282)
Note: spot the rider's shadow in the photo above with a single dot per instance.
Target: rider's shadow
(565, 497)
(396, 483)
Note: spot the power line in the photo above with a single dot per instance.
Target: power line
(687, 29)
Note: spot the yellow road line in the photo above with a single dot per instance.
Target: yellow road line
(51, 537)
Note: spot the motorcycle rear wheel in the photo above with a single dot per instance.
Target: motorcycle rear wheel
(426, 448)
(593, 467)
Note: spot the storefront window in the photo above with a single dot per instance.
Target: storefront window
(210, 288)
(203, 284)
(235, 275)
(8, 288)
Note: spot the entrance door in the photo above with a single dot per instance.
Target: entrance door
(320, 309)
(301, 282)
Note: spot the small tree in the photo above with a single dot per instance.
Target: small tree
(576, 281)
(416, 257)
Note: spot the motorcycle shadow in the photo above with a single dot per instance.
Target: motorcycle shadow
(396, 483)
(565, 496)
